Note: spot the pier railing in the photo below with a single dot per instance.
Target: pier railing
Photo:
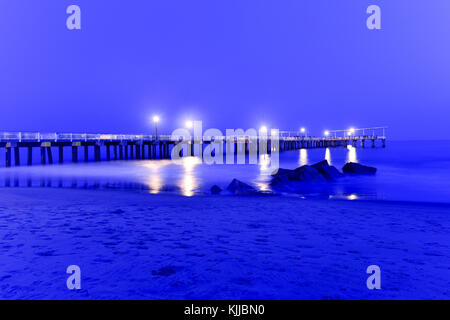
(141, 146)
(89, 137)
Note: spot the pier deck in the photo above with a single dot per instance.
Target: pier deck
(139, 147)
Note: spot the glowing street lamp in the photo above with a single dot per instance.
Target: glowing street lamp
(327, 133)
(189, 124)
(156, 120)
(263, 129)
(303, 130)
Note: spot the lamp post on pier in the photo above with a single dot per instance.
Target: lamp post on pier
(156, 120)
(303, 131)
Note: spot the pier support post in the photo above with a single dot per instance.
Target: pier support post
(42, 155)
(143, 151)
(160, 150)
(149, 150)
(154, 151)
(86, 153)
(16, 156)
(138, 151)
(8, 156)
(115, 152)
(108, 152)
(30, 156)
(121, 152)
(373, 143)
(167, 156)
(60, 154)
(131, 152)
(75, 152)
(49, 155)
(97, 152)
(384, 143)
(126, 151)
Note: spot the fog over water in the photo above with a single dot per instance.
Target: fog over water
(407, 171)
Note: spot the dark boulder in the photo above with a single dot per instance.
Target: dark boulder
(239, 187)
(327, 171)
(216, 189)
(356, 168)
(281, 171)
(301, 174)
(306, 173)
(280, 180)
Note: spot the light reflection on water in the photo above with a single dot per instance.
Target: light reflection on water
(155, 181)
(396, 179)
(189, 182)
(351, 154)
(303, 157)
(187, 177)
(352, 197)
(328, 155)
(265, 170)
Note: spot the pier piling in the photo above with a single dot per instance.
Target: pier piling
(8, 156)
(49, 155)
(16, 156)
(42, 155)
(74, 153)
(60, 154)
(30, 156)
(126, 147)
(86, 153)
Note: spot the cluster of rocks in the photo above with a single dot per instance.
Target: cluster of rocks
(320, 172)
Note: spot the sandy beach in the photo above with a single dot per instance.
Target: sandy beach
(132, 245)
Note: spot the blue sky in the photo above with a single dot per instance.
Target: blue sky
(231, 64)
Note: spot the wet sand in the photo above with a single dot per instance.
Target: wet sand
(132, 245)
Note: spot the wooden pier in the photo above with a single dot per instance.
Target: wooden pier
(149, 147)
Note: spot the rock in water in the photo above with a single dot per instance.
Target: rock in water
(303, 173)
(327, 171)
(239, 187)
(356, 168)
(306, 173)
(281, 171)
(216, 189)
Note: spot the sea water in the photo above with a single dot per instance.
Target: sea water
(407, 171)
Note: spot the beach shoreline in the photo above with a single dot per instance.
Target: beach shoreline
(135, 245)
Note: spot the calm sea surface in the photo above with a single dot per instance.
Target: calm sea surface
(407, 171)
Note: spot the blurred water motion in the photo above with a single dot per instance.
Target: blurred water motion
(400, 167)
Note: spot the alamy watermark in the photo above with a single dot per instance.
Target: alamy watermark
(74, 280)
(235, 147)
(374, 280)
(73, 22)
